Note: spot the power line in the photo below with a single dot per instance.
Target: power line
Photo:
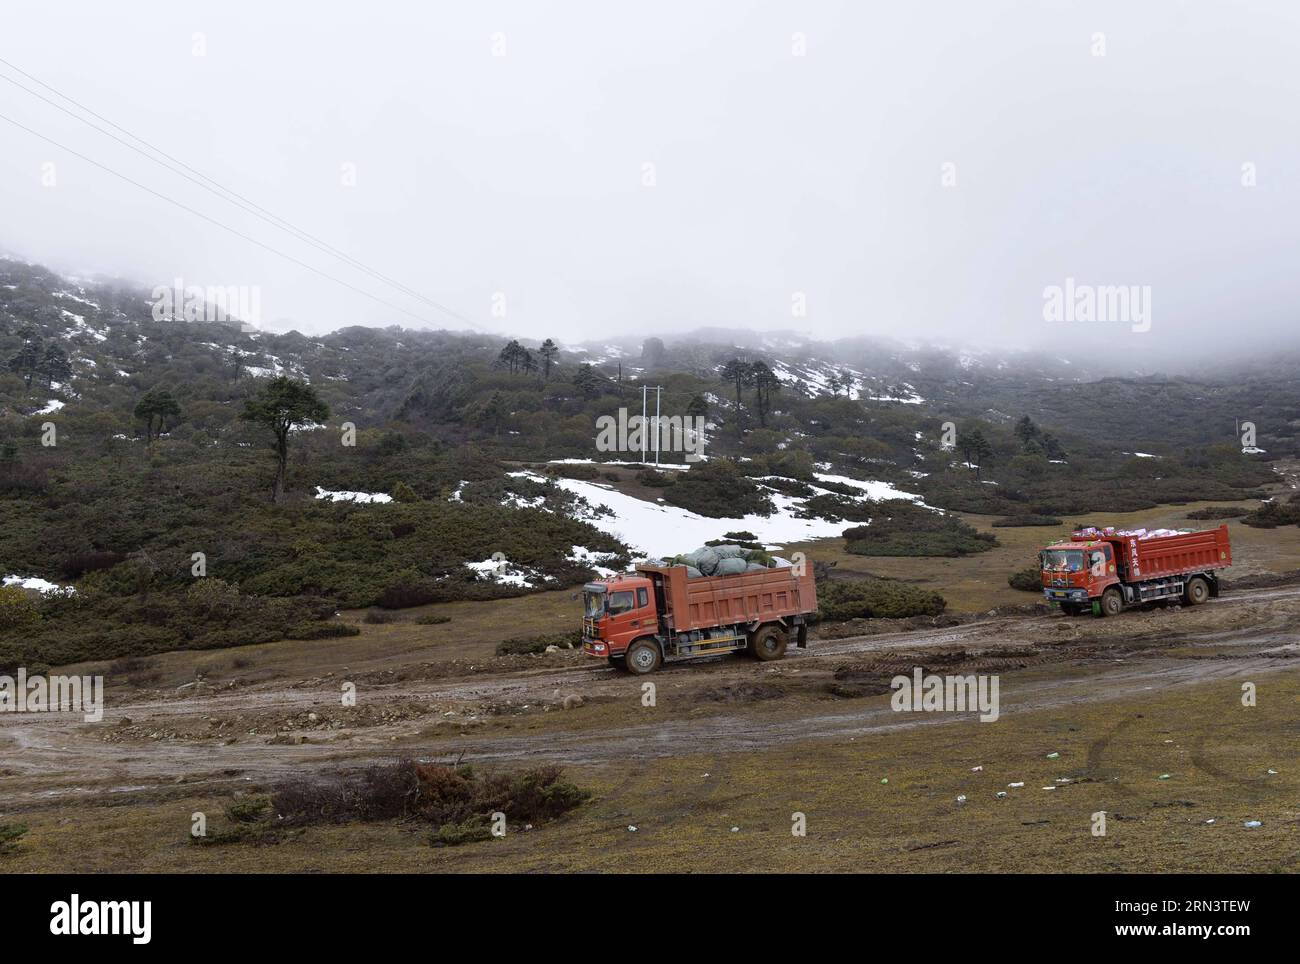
(212, 220)
(219, 190)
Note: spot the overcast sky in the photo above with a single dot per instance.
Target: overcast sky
(799, 156)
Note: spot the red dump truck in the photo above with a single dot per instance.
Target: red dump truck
(1104, 570)
(638, 620)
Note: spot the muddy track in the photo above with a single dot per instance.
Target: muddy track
(1082, 660)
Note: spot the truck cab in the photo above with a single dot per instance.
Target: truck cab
(1075, 573)
(615, 612)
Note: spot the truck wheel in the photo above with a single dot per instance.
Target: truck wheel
(768, 643)
(1197, 591)
(642, 657)
(1070, 609)
(618, 662)
(1112, 603)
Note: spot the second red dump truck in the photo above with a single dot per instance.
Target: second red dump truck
(1103, 570)
(636, 621)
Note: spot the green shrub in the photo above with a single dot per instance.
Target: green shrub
(432, 619)
(838, 508)
(900, 528)
(655, 479)
(404, 493)
(1026, 520)
(582, 471)
(873, 598)
(215, 598)
(791, 487)
(473, 830)
(1028, 580)
(1273, 514)
(10, 834)
(1219, 512)
(115, 627)
(717, 489)
(457, 801)
(248, 809)
(308, 631)
(16, 609)
(78, 564)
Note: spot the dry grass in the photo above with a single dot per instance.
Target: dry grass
(1216, 752)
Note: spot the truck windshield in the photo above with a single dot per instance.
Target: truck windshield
(1063, 560)
(593, 603)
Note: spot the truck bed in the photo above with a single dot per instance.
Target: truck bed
(1172, 555)
(746, 597)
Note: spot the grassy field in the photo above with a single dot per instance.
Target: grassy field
(684, 808)
(1113, 746)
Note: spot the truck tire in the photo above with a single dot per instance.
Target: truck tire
(1196, 592)
(1070, 609)
(642, 657)
(768, 643)
(618, 662)
(1112, 603)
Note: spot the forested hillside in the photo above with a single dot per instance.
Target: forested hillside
(424, 466)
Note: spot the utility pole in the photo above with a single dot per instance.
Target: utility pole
(658, 395)
(643, 438)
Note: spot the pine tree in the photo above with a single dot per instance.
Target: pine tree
(54, 365)
(159, 404)
(976, 447)
(282, 404)
(548, 351)
(765, 383)
(740, 373)
(26, 362)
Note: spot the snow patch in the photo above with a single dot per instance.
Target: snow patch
(658, 529)
(322, 493)
(505, 573)
(43, 586)
(592, 560)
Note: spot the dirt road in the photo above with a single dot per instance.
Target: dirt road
(260, 732)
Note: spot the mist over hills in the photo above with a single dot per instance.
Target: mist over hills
(116, 347)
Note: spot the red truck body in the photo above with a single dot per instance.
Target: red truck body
(1106, 570)
(637, 621)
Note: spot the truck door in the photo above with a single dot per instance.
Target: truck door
(631, 614)
(1101, 569)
